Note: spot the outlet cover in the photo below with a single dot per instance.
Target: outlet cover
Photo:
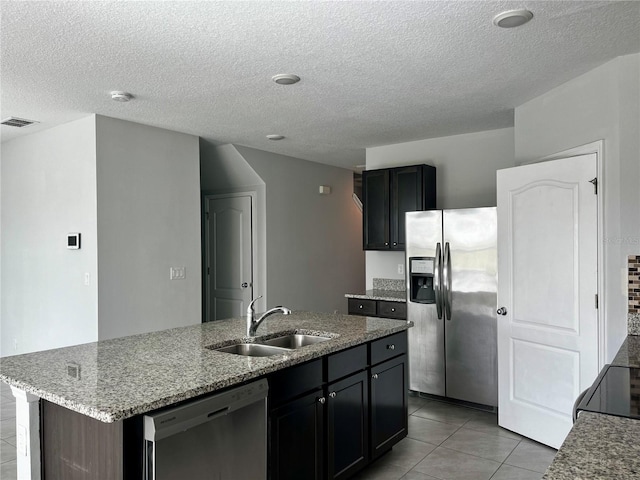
(401, 269)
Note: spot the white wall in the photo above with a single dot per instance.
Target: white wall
(48, 190)
(148, 201)
(603, 104)
(466, 168)
(314, 242)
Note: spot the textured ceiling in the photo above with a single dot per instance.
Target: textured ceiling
(373, 72)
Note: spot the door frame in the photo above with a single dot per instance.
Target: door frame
(596, 148)
(206, 291)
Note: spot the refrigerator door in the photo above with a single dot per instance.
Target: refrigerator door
(426, 338)
(470, 328)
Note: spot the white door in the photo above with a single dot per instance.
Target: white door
(547, 286)
(228, 258)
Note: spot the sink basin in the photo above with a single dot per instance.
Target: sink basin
(295, 340)
(253, 349)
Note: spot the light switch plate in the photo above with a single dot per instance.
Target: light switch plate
(177, 273)
(401, 269)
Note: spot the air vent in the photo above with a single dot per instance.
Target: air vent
(17, 122)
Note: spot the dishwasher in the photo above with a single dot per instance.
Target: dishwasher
(219, 437)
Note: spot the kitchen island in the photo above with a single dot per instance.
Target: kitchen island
(119, 379)
(601, 446)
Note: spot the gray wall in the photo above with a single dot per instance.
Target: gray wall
(148, 204)
(465, 177)
(603, 104)
(313, 242)
(223, 170)
(48, 189)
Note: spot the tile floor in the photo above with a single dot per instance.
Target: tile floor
(7, 433)
(449, 442)
(445, 442)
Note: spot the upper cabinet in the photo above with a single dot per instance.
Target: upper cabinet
(387, 195)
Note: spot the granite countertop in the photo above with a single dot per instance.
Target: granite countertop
(601, 446)
(378, 294)
(127, 376)
(629, 353)
(598, 447)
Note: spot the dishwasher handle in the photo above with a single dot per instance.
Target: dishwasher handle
(178, 419)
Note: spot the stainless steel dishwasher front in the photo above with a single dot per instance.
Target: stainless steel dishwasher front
(221, 437)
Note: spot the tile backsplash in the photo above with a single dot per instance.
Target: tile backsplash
(634, 295)
(388, 284)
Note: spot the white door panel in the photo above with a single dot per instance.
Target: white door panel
(228, 257)
(547, 270)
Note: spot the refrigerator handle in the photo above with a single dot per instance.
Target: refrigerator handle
(437, 280)
(446, 281)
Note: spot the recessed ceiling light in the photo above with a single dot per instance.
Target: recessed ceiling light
(121, 96)
(512, 18)
(285, 79)
(275, 137)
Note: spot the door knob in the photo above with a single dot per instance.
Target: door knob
(244, 285)
(501, 311)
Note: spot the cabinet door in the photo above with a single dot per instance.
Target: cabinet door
(389, 386)
(348, 431)
(296, 439)
(375, 209)
(406, 196)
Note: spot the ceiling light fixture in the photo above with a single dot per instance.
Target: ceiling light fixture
(285, 79)
(512, 18)
(275, 137)
(119, 96)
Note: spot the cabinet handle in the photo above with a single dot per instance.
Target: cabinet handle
(393, 309)
(374, 376)
(386, 244)
(322, 400)
(332, 394)
(360, 307)
(391, 347)
(395, 244)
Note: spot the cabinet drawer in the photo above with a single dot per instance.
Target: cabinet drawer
(291, 382)
(392, 309)
(346, 362)
(359, 306)
(388, 347)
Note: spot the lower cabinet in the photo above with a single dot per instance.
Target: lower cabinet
(388, 405)
(355, 414)
(347, 426)
(297, 439)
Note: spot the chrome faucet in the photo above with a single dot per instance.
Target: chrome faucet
(252, 325)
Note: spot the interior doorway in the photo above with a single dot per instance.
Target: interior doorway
(548, 293)
(228, 255)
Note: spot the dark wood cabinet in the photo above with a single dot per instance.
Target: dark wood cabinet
(330, 417)
(387, 195)
(75, 446)
(388, 405)
(347, 426)
(377, 308)
(375, 209)
(297, 438)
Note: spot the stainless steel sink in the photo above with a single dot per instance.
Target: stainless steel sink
(295, 340)
(253, 349)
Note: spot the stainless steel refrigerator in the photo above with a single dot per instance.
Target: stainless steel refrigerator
(451, 271)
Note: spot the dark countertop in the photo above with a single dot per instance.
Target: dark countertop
(376, 294)
(127, 376)
(602, 446)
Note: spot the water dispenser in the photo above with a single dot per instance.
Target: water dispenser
(421, 280)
